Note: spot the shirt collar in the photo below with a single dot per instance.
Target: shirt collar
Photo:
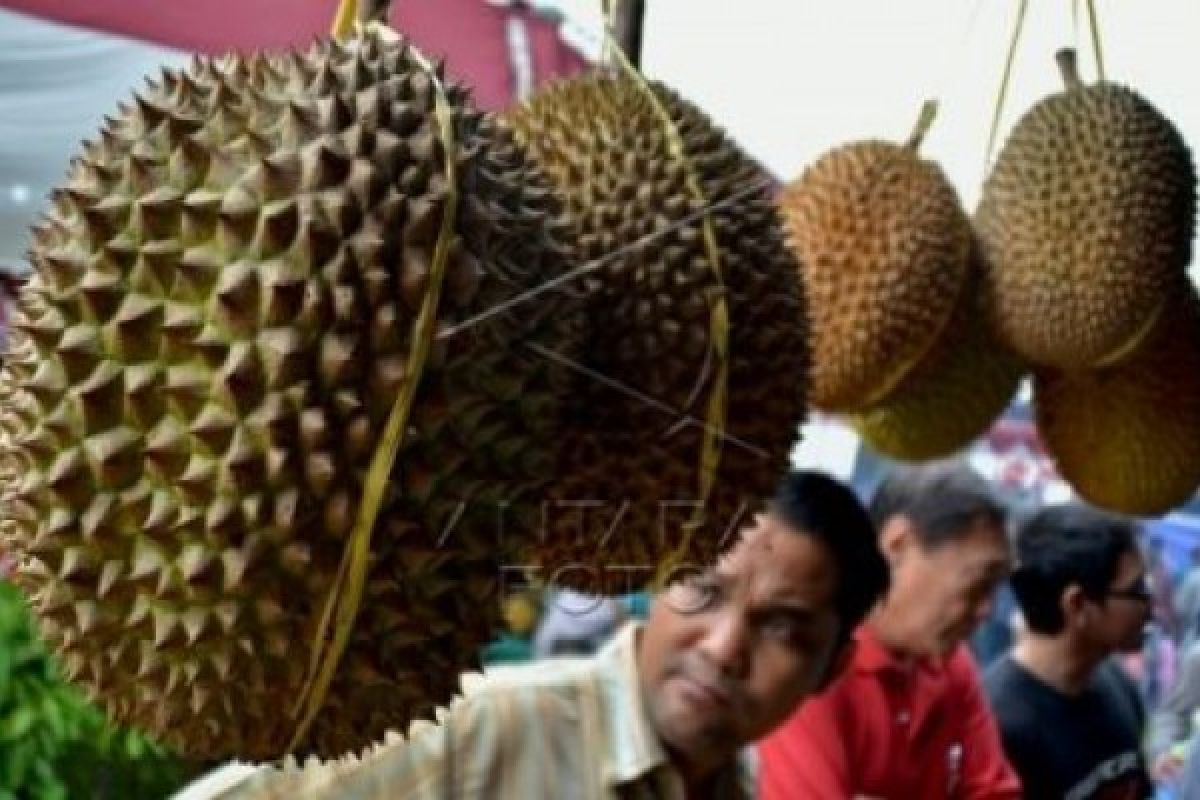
(871, 655)
(634, 749)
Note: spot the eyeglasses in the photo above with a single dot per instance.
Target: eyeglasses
(1140, 592)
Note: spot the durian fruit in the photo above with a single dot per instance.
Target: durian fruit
(220, 318)
(631, 461)
(1086, 222)
(1127, 437)
(884, 244)
(951, 397)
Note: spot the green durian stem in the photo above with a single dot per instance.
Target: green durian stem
(925, 120)
(1069, 67)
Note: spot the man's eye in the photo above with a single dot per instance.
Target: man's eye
(780, 627)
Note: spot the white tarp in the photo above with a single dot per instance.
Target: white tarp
(56, 85)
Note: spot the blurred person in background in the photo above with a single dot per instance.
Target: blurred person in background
(576, 624)
(1070, 719)
(908, 719)
(514, 644)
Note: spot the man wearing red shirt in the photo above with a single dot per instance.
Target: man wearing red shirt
(908, 719)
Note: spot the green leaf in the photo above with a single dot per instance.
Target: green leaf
(17, 724)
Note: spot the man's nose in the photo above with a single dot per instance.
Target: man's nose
(726, 645)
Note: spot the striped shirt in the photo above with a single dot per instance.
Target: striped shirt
(567, 729)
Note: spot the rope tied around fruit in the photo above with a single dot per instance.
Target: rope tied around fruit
(345, 595)
(718, 327)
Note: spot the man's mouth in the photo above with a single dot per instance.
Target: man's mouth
(706, 695)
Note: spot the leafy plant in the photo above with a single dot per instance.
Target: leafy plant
(54, 744)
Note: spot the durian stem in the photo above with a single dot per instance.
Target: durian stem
(1068, 65)
(627, 20)
(925, 120)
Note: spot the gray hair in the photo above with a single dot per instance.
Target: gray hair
(943, 500)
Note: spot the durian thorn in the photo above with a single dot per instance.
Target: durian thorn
(221, 663)
(891, 383)
(373, 10)
(1068, 65)
(925, 121)
(109, 574)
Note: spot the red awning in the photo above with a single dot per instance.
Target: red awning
(493, 47)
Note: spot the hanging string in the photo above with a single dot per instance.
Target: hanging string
(1097, 50)
(1022, 8)
(343, 19)
(1075, 24)
(608, 15)
(717, 402)
(951, 68)
(340, 609)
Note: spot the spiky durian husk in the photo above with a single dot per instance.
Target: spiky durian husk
(1086, 222)
(637, 447)
(219, 320)
(952, 396)
(884, 247)
(1127, 438)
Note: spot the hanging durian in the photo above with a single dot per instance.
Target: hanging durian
(1086, 222)
(633, 455)
(952, 396)
(218, 323)
(1127, 438)
(883, 244)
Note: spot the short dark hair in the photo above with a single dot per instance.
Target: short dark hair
(817, 505)
(1067, 545)
(943, 500)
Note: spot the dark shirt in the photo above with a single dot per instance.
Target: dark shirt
(1064, 747)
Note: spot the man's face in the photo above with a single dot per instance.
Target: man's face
(1116, 622)
(728, 654)
(939, 595)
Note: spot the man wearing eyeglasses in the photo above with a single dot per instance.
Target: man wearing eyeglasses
(1070, 719)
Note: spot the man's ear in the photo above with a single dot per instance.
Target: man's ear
(1073, 605)
(838, 663)
(896, 537)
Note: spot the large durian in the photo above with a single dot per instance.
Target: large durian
(884, 246)
(218, 323)
(1127, 438)
(631, 465)
(1086, 222)
(951, 397)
